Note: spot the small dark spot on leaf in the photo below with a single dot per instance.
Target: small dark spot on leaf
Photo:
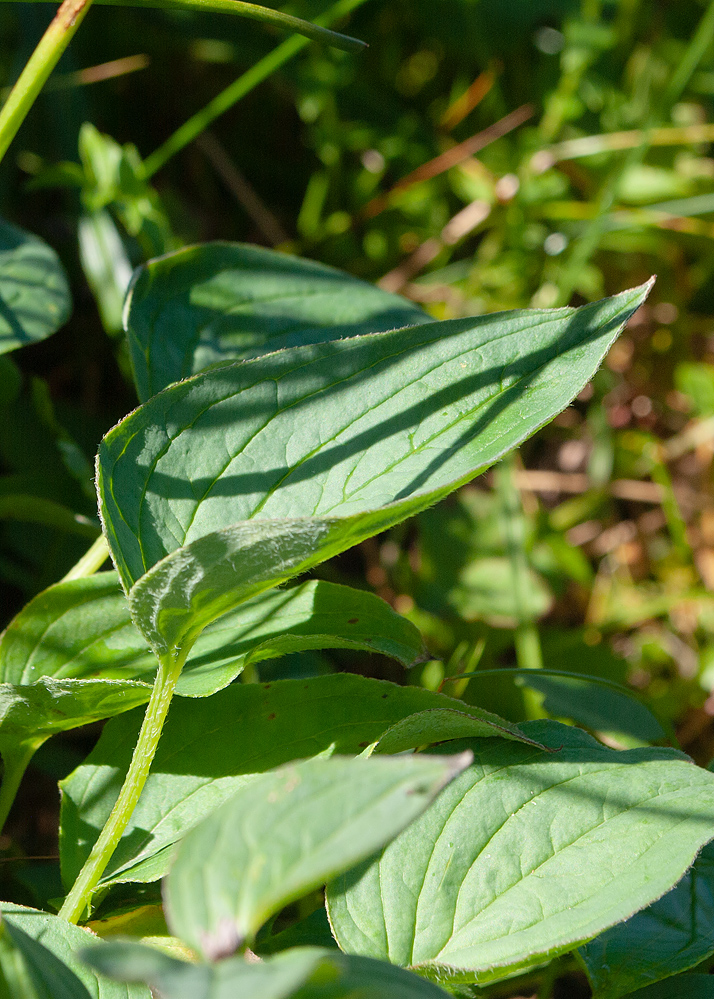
(267, 686)
(363, 745)
(271, 716)
(353, 620)
(385, 696)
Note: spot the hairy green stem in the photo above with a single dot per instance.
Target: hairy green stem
(80, 895)
(199, 122)
(91, 562)
(15, 763)
(39, 66)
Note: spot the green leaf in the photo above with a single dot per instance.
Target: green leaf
(681, 987)
(304, 973)
(43, 953)
(248, 474)
(34, 294)
(672, 935)
(285, 834)
(210, 748)
(77, 629)
(106, 266)
(526, 855)
(82, 629)
(48, 706)
(591, 701)
(220, 302)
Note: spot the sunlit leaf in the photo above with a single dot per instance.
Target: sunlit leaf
(220, 302)
(251, 473)
(210, 748)
(527, 854)
(43, 951)
(674, 934)
(286, 833)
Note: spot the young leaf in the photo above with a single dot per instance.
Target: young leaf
(246, 475)
(673, 934)
(286, 833)
(221, 302)
(33, 289)
(210, 748)
(304, 973)
(82, 629)
(43, 952)
(527, 854)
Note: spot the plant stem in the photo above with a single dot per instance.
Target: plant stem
(92, 560)
(39, 66)
(156, 711)
(254, 12)
(199, 122)
(527, 639)
(15, 763)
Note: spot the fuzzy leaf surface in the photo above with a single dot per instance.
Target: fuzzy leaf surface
(210, 748)
(672, 935)
(219, 302)
(241, 477)
(82, 629)
(286, 833)
(527, 854)
(34, 293)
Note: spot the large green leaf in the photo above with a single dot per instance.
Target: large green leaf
(526, 855)
(285, 834)
(241, 477)
(304, 973)
(82, 629)
(674, 934)
(210, 748)
(45, 950)
(681, 987)
(34, 294)
(221, 302)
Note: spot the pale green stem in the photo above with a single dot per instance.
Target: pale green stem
(198, 123)
(527, 639)
(250, 10)
(91, 562)
(15, 763)
(81, 893)
(39, 66)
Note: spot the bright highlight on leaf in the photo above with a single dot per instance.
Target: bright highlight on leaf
(527, 854)
(288, 832)
(211, 748)
(249, 474)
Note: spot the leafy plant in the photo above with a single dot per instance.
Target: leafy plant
(289, 412)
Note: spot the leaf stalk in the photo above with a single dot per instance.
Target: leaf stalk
(39, 66)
